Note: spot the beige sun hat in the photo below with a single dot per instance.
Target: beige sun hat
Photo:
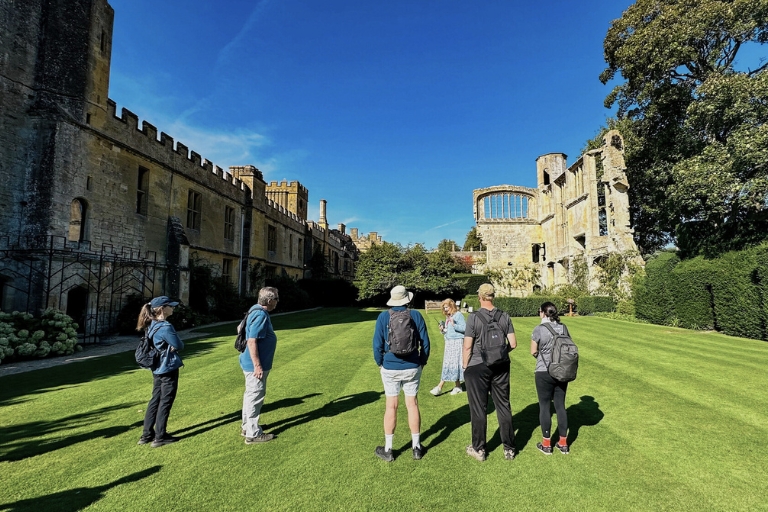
(399, 296)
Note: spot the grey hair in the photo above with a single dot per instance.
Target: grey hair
(266, 294)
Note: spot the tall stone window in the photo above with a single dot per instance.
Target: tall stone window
(271, 238)
(226, 270)
(602, 215)
(506, 205)
(229, 223)
(78, 212)
(194, 210)
(142, 191)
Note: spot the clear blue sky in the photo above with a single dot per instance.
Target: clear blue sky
(392, 111)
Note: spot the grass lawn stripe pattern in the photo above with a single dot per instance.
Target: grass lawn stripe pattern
(661, 419)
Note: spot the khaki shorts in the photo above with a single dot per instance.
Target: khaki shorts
(395, 380)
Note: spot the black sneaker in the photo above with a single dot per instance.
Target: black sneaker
(510, 454)
(419, 452)
(563, 448)
(261, 438)
(546, 450)
(157, 443)
(386, 455)
(145, 440)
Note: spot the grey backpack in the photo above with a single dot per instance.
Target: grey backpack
(494, 348)
(401, 335)
(565, 356)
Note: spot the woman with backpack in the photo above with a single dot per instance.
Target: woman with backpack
(153, 320)
(549, 389)
(453, 331)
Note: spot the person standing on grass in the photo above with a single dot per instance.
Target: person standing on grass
(256, 363)
(453, 331)
(549, 389)
(482, 379)
(402, 370)
(153, 319)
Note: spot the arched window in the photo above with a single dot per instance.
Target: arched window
(506, 205)
(78, 212)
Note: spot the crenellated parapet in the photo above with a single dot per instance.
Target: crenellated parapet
(124, 132)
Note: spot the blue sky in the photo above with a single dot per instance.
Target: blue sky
(393, 111)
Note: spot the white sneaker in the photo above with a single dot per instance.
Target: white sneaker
(436, 391)
(456, 390)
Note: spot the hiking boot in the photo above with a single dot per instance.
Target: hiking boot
(510, 454)
(546, 450)
(563, 448)
(436, 391)
(261, 438)
(386, 455)
(419, 452)
(145, 440)
(476, 454)
(457, 390)
(157, 443)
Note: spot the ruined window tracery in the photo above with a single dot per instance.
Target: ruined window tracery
(506, 205)
(77, 218)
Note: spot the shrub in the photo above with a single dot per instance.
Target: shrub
(653, 300)
(589, 305)
(690, 287)
(292, 297)
(469, 283)
(737, 302)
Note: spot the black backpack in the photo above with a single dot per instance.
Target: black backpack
(147, 355)
(494, 347)
(401, 335)
(565, 356)
(241, 340)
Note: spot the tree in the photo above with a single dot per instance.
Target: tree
(473, 242)
(386, 265)
(693, 123)
(450, 245)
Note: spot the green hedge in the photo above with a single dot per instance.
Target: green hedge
(469, 283)
(738, 308)
(653, 300)
(761, 262)
(588, 305)
(690, 285)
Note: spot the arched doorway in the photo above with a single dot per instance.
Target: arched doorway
(77, 306)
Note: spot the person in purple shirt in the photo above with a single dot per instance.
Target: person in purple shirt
(400, 372)
(256, 363)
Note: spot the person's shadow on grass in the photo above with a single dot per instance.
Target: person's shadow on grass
(73, 499)
(211, 424)
(334, 407)
(524, 423)
(586, 413)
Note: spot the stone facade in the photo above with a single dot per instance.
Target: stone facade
(96, 207)
(534, 235)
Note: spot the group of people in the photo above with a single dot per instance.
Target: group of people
(463, 361)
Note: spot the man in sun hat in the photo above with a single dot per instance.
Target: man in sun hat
(487, 372)
(400, 349)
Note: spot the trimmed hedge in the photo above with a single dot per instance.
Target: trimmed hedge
(653, 300)
(469, 283)
(588, 305)
(729, 293)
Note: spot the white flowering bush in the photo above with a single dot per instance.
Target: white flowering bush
(23, 336)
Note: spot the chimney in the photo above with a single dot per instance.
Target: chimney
(354, 233)
(323, 221)
(342, 227)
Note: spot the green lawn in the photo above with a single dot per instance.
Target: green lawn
(661, 419)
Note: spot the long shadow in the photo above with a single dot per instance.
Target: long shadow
(234, 416)
(586, 413)
(40, 446)
(334, 407)
(324, 316)
(74, 499)
(443, 427)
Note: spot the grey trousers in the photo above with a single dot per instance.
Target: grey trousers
(253, 399)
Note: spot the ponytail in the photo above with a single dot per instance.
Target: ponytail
(550, 310)
(146, 315)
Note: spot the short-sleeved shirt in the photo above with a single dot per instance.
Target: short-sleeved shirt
(475, 327)
(543, 337)
(259, 326)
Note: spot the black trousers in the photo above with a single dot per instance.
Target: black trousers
(482, 381)
(551, 390)
(159, 408)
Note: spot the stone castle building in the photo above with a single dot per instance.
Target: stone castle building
(535, 236)
(95, 207)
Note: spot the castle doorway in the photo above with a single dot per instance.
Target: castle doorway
(77, 306)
